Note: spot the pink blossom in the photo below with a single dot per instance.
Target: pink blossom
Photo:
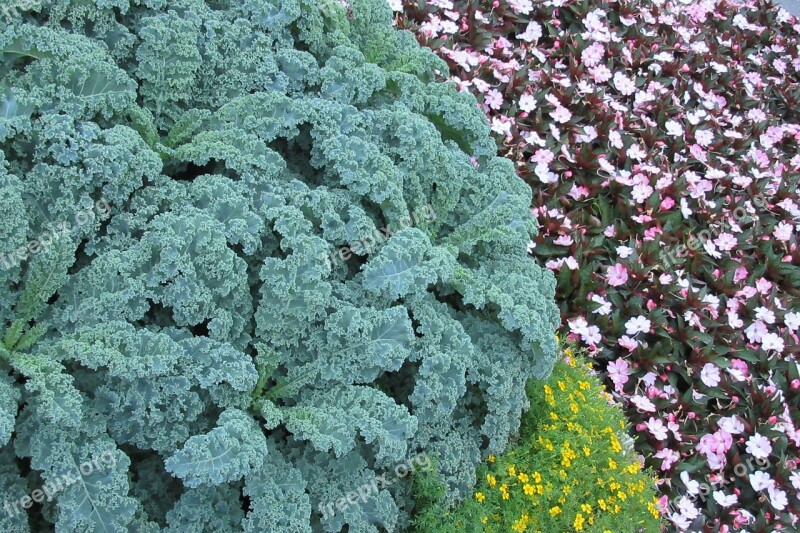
(638, 324)
(618, 372)
(617, 275)
(759, 446)
(561, 115)
(624, 84)
(710, 375)
(669, 457)
(628, 343)
(783, 231)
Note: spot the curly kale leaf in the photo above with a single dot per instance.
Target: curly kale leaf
(230, 451)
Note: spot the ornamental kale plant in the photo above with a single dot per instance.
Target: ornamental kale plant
(197, 334)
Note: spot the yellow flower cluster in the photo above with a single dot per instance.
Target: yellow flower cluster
(569, 436)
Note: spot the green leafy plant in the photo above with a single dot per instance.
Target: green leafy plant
(199, 335)
(572, 469)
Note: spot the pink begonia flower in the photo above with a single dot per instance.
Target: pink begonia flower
(725, 500)
(521, 6)
(571, 263)
(718, 442)
(687, 508)
(616, 275)
(532, 33)
(638, 324)
(618, 372)
(756, 331)
(783, 231)
(578, 192)
(674, 128)
(759, 446)
(765, 314)
(628, 343)
(543, 156)
(624, 84)
(726, 242)
(643, 404)
(563, 240)
(561, 115)
(641, 192)
(739, 369)
(761, 480)
(740, 274)
(527, 103)
(792, 321)
(500, 126)
(733, 320)
(666, 204)
(605, 305)
(692, 486)
(494, 99)
(763, 286)
(600, 74)
(710, 375)
(731, 424)
(795, 478)
(592, 336)
(592, 55)
(777, 498)
(771, 341)
(669, 458)
(656, 428)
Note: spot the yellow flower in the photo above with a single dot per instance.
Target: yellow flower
(504, 491)
(511, 471)
(621, 495)
(486, 519)
(555, 511)
(561, 386)
(521, 524)
(587, 451)
(586, 508)
(578, 524)
(553, 415)
(529, 490)
(548, 390)
(537, 477)
(480, 497)
(584, 385)
(523, 477)
(491, 458)
(602, 504)
(490, 479)
(612, 464)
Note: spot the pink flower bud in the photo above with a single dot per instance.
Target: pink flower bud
(795, 384)
(667, 204)
(685, 69)
(773, 419)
